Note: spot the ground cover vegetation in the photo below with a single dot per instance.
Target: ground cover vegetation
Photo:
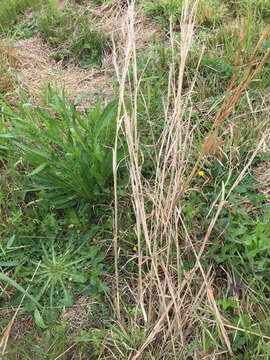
(135, 225)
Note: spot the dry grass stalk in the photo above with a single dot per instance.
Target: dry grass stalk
(211, 141)
(121, 79)
(164, 292)
(219, 320)
(229, 326)
(5, 337)
(150, 233)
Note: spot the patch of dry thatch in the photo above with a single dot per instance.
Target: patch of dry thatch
(37, 68)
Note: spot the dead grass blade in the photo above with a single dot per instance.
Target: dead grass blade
(166, 302)
(229, 102)
(219, 320)
(4, 340)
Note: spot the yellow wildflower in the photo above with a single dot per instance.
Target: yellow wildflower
(134, 248)
(201, 173)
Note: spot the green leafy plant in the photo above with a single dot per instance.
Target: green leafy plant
(89, 46)
(254, 237)
(10, 11)
(211, 12)
(225, 70)
(20, 289)
(247, 243)
(52, 25)
(25, 30)
(53, 341)
(9, 256)
(161, 11)
(60, 269)
(70, 156)
(78, 41)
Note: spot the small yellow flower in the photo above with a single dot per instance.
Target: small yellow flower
(134, 248)
(201, 173)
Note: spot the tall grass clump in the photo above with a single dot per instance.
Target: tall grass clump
(176, 315)
(67, 157)
(10, 11)
(80, 41)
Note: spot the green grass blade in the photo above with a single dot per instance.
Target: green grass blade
(11, 282)
(107, 115)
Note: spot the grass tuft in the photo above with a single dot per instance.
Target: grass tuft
(69, 156)
(11, 11)
(79, 41)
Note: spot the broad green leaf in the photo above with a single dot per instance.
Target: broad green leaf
(62, 202)
(79, 98)
(11, 282)
(78, 277)
(68, 298)
(227, 303)
(39, 320)
(38, 169)
(9, 263)
(11, 241)
(52, 315)
(76, 135)
(7, 136)
(31, 149)
(107, 115)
